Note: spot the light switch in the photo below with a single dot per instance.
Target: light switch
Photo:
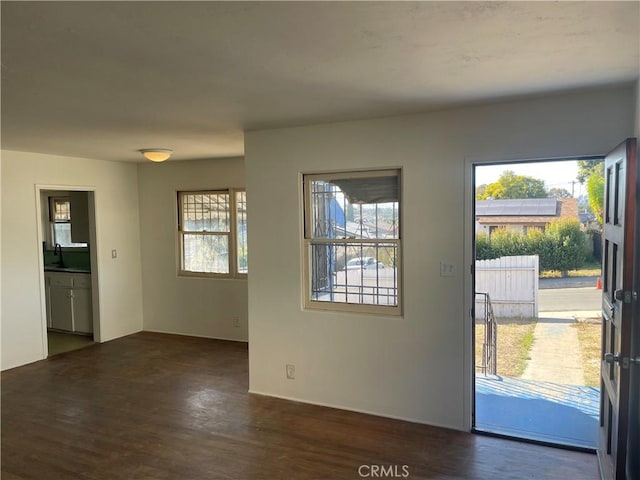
(447, 269)
(114, 253)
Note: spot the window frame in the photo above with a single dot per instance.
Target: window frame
(308, 241)
(51, 221)
(232, 235)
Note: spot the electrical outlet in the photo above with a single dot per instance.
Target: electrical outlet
(447, 269)
(236, 322)
(291, 372)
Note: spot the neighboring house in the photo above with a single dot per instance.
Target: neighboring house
(521, 214)
(590, 222)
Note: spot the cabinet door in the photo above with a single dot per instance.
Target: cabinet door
(47, 283)
(61, 309)
(82, 311)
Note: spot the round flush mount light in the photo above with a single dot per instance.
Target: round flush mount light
(156, 154)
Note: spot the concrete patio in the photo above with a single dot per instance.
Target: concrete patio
(537, 410)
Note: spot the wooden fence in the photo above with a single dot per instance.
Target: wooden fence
(512, 284)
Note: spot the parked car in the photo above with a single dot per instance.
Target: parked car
(363, 262)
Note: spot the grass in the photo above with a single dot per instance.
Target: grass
(589, 269)
(515, 337)
(589, 335)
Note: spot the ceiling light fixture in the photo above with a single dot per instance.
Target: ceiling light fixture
(156, 154)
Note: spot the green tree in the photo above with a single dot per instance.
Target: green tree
(595, 191)
(587, 167)
(480, 189)
(558, 193)
(510, 185)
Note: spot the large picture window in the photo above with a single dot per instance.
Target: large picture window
(352, 241)
(212, 226)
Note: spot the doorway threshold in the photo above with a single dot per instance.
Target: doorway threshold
(540, 411)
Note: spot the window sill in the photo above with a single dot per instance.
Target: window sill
(214, 276)
(378, 310)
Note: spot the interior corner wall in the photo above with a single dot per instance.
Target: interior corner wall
(117, 225)
(637, 103)
(416, 367)
(197, 306)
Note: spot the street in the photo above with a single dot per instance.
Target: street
(569, 299)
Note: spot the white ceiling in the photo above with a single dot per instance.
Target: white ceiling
(104, 79)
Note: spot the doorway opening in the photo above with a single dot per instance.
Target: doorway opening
(66, 243)
(537, 288)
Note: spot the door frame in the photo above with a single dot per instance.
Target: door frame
(469, 276)
(93, 256)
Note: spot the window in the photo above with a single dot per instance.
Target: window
(352, 241)
(212, 227)
(60, 223)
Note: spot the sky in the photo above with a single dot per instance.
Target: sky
(558, 174)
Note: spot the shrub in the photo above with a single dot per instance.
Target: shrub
(569, 244)
(561, 247)
(507, 242)
(541, 244)
(484, 250)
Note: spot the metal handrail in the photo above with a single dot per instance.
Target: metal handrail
(489, 363)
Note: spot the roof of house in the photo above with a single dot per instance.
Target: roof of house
(529, 211)
(517, 207)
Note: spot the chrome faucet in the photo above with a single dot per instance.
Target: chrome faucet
(57, 251)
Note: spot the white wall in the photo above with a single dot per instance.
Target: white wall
(417, 367)
(187, 305)
(637, 115)
(117, 224)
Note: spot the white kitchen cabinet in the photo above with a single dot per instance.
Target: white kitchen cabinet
(82, 306)
(61, 311)
(69, 306)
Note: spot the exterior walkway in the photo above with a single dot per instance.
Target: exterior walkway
(555, 353)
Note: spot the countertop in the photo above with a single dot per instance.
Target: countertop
(54, 268)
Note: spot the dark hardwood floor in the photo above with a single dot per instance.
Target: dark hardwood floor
(154, 406)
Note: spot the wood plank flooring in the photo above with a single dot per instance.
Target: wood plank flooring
(154, 406)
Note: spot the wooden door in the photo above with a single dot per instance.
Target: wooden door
(621, 185)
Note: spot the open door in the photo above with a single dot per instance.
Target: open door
(619, 297)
